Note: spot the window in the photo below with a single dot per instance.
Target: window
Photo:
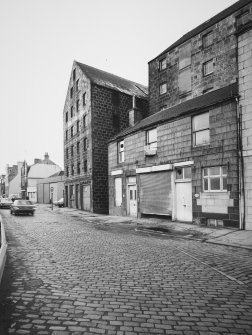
(66, 116)
(77, 85)
(184, 80)
(78, 167)
(78, 126)
(72, 111)
(77, 105)
(208, 67)
(66, 135)
(207, 39)
(162, 64)
(183, 173)
(118, 192)
(66, 153)
(121, 152)
(74, 74)
(72, 131)
(215, 179)
(72, 150)
(84, 99)
(200, 127)
(185, 56)
(84, 121)
(162, 88)
(85, 144)
(67, 171)
(71, 92)
(72, 169)
(78, 148)
(85, 165)
(151, 138)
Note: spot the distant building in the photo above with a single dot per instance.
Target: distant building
(51, 188)
(97, 107)
(39, 170)
(2, 185)
(191, 158)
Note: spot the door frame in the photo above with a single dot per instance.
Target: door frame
(131, 182)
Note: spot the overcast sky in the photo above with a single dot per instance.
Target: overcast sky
(39, 39)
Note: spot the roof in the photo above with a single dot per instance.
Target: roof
(114, 82)
(57, 174)
(204, 101)
(220, 16)
(42, 170)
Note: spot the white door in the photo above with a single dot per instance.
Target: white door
(86, 197)
(132, 197)
(184, 201)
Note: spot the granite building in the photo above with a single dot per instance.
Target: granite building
(97, 107)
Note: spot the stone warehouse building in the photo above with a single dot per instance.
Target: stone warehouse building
(191, 158)
(97, 107)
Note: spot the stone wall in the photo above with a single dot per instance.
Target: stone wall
(222, 51)
(174, 144)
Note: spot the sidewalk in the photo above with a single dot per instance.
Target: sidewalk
(224, 236)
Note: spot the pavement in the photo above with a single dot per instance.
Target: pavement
(215, 235)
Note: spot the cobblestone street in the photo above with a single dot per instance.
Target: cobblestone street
(65, 275)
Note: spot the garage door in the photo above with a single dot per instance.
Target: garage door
(155, 193)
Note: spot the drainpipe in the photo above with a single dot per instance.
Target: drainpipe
(242, 205)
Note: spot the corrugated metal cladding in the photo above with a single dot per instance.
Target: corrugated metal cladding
(156, 193)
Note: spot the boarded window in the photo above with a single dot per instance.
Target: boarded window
(207, 39)
(185, 56)
(185, 84)
(118, 192)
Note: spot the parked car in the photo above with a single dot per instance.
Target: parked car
(59, 203)
(5, 203)
(22, 207)
(14, 197)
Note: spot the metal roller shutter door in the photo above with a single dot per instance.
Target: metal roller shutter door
(155, 193)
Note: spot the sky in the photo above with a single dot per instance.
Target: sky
(40, 39)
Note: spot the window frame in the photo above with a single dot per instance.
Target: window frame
(72, 131)
(78, 126)
(162, 64)
(120, 152)
(85, 165)
(78, 148)
(210, 176)
(85, 144)
(66, 117)
(204, 69)
(183, 177)
(163, 88)
(84, 121)
(77, 106)
(195, 132)
(72, 112)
